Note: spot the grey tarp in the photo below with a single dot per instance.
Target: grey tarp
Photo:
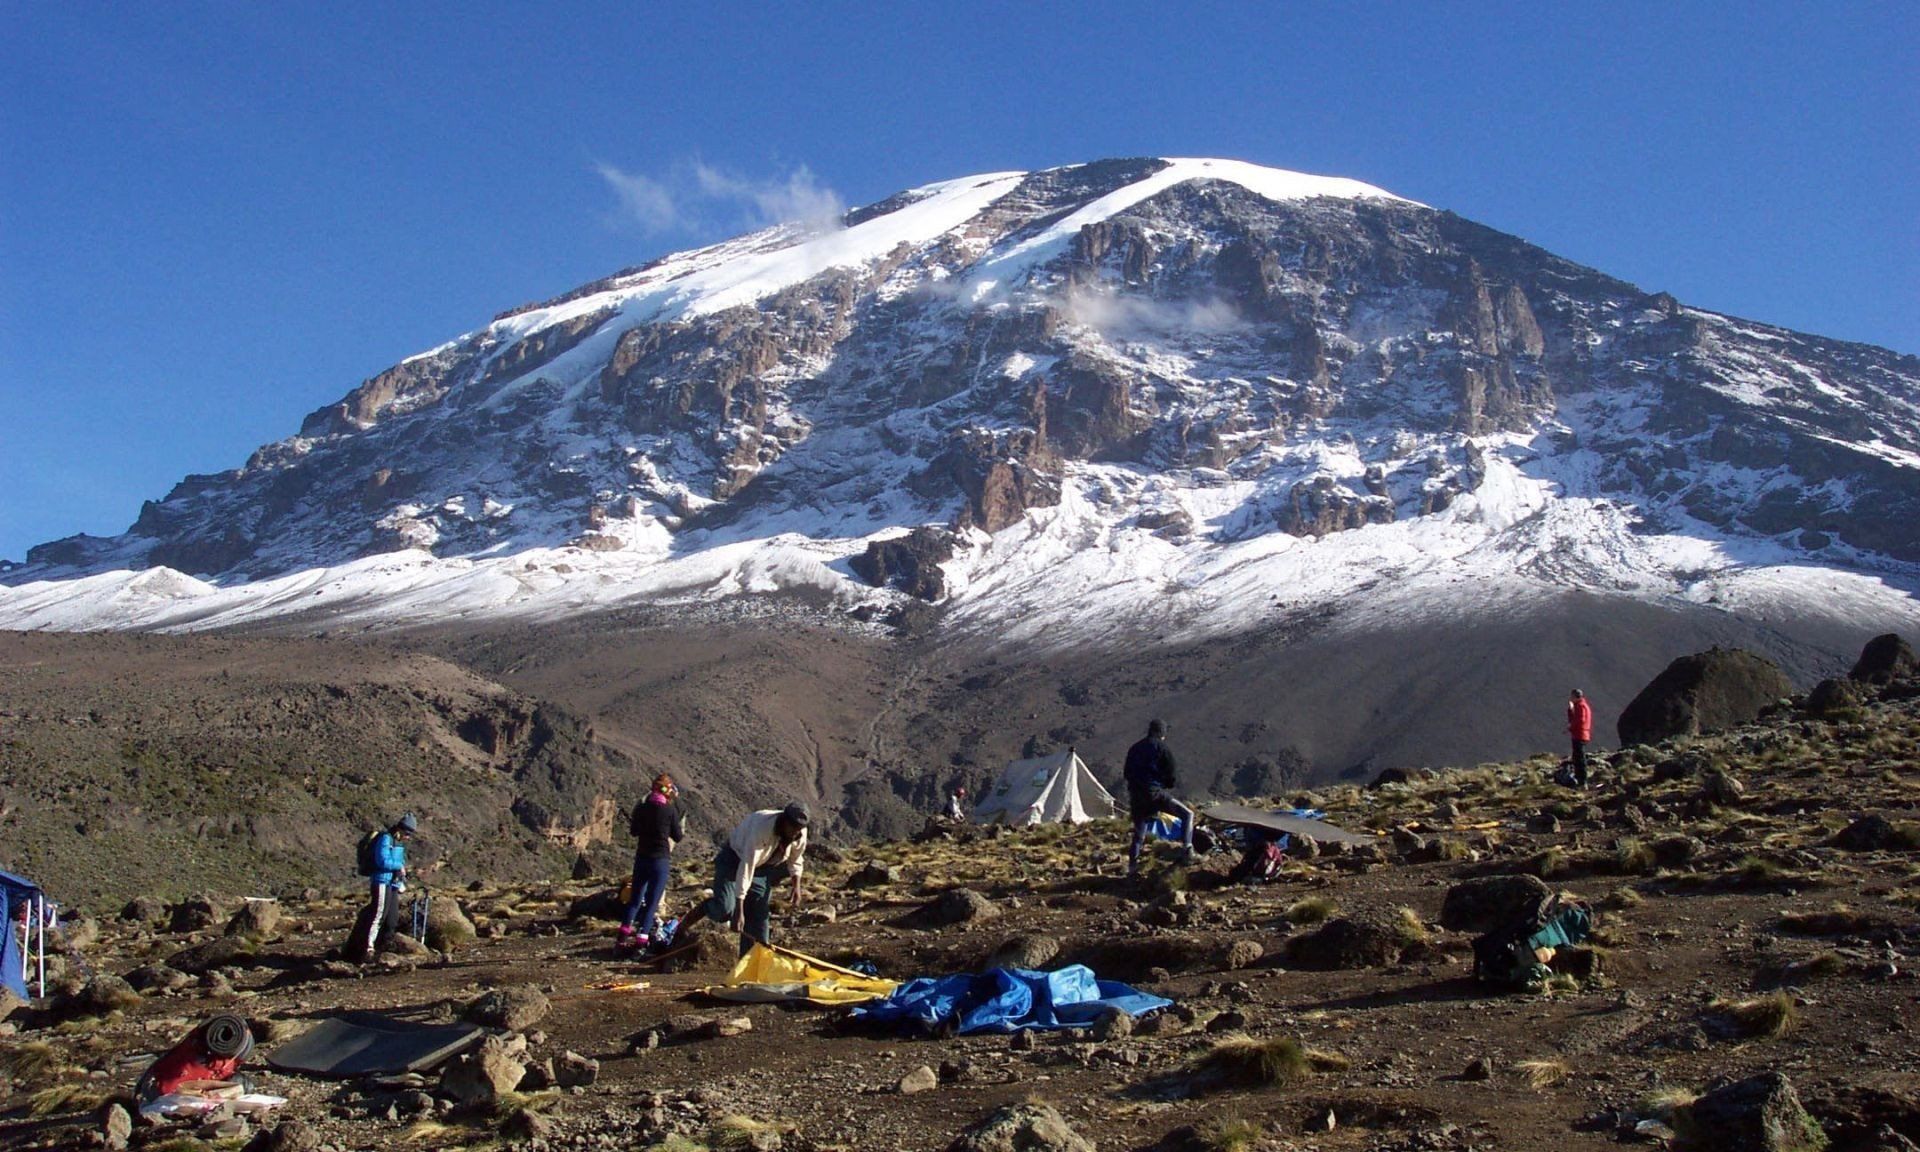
(367, 1043)
(1283, 822)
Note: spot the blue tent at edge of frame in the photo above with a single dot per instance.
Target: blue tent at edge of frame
(16, 891)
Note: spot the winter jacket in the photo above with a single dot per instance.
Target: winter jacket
(1580, 719)
(1150, 768)
(656, 824)
(389, 858)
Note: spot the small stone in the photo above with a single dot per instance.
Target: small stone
(732, 1026)
(1113, 1024)
(1232, 1020)
(576, 1071)
(1480, 1069)
(1242, 953)
(1022, 1041)
(526, 1124)
(512, 1009)
(921, 1079)
(116, 1125)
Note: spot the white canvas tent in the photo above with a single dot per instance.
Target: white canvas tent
(1056, 789)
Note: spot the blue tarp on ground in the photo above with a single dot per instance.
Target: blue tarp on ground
(16, 895)
(1009, 1000)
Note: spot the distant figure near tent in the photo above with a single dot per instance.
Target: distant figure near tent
(1580, 731)
(1150, 781)
(1056, 789)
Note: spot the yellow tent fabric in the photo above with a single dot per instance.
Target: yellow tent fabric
(769, 974)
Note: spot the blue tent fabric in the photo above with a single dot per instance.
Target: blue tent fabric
(15, 892)
(1009, 1000)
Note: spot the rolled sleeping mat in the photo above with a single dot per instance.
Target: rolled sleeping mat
(226, 1036)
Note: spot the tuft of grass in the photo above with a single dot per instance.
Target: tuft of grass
(79, 1096)
(1408, 928)
(1242, 1061)
(1759, 872)
(1543, 1074)
(29, 1062)
(1839, 920)
(1816, 966)
(1311, 910)
(743, 1134)
(1550, 863)
(1634, 857)
(1451, 850)
(1761, 1018)
(1621, 898)
(1664, 1103)
(1233, 1136)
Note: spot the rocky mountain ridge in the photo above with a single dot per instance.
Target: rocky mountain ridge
(1208, 368)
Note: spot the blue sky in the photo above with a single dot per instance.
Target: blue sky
(216, 218)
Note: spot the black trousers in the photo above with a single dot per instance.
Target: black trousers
(378, 922)
(1580, 761)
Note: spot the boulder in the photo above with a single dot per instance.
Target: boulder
(1030, 950)
(290, 1136)
(158, 978)
(256, 920)
(1368, 940)
(1833, 697)
(1491, 902)
(1723, 788)
(1884, 660)
(116, 1127)
(1112, 1024)
(448, 928)
(81, 932)
(602, 905)
(1241, 953)
(483, 1075)
(194, 914)
(103, 994)
(1759, 1114)
(144, 910)
(1029, 1127)
(10, 1002)
(954, 906)
(220, 952)
(513, 1009)
(1711, 690)
(1875, 833)
(575, 1070)
(921, 1079)
(910, 563)
(873, 875)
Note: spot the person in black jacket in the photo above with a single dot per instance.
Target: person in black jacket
(1150, 781)
(657, 826)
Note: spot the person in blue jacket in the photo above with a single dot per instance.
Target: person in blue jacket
(383, 861)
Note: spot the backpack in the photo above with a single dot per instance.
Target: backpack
(1508, 955)
(365, 861)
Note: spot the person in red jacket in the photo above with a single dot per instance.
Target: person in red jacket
(1580, 731)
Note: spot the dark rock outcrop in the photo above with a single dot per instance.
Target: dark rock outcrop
(1705, 692)
(910, 563)
(1759, 1114)
(1885, 659)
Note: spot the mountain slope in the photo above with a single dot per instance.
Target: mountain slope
(1138, 398)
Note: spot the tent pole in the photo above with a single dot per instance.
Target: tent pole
(40, 918)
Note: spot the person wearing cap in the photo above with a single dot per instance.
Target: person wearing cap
(1579, 731)
(768, 846)
(211, 1052)
(657, 826)
(386, 872)
(1150, 781)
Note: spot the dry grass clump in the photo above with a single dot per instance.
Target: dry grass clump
(744, 1133)
(29, 1062)
(1242, 1061)
(1761, 1018)
(1634, 857)
(80, 1096)
(1620, 899)
(1816, 966)
(1311, 910)
(1408, 927)
(1549, 864)
(1839, 920)
(1541, 1075)
(1233, 1136)
(1665, 1103)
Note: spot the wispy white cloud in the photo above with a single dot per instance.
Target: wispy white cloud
(693, 196)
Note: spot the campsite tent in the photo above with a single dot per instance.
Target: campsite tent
(1056, 789)
(23, 944)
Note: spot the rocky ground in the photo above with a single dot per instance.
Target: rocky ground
(1758, 910)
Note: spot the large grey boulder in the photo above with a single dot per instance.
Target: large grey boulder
(1491, 902)
(1706, 692)
(954, 906)
(1759, 1114)
(1029, 1127)
(514, 1009)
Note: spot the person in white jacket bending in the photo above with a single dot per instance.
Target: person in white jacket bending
(768, 846)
